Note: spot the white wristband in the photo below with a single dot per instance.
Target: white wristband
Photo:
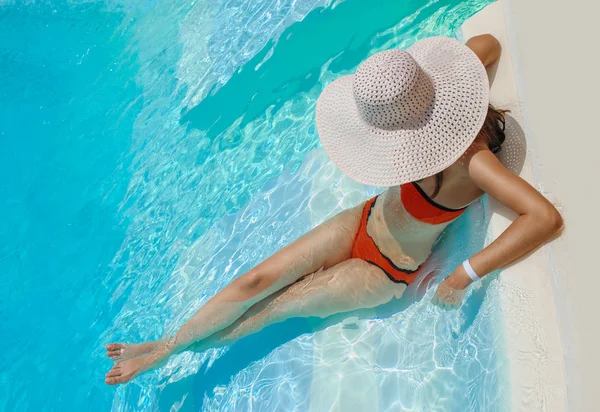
(470, 271)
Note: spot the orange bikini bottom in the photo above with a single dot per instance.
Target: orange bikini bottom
(365, 248)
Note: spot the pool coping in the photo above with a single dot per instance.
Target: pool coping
(531, 329)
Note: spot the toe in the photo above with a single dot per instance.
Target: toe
(113, 354)
(116, 371)
(116, 379)
(111, 381)
(114, 347)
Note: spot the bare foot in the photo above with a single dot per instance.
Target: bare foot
(124, 371)
(127, 370)
(122, 352)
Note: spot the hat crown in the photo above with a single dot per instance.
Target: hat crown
(391, 90)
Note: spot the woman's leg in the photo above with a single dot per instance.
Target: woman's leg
(325, 246)
(350, 285)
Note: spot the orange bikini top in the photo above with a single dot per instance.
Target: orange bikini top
(421, 207)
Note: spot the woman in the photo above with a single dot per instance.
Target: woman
(419, 122)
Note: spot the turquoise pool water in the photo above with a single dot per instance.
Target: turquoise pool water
(150, 151)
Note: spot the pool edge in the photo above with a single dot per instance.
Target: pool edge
(530, 322)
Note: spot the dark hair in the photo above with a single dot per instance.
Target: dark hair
(492, 132)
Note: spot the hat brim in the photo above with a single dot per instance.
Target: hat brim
(383, 157)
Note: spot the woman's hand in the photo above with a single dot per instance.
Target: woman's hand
(452, 290)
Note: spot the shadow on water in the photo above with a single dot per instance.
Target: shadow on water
(255, 347)
(293, 63)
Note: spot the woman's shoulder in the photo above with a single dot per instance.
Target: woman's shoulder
(477, 148)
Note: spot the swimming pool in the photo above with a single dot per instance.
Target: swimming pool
(153, 150)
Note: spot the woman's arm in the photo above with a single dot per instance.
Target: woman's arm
(537, 222)
(538, 219)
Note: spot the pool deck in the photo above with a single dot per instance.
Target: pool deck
(533, 343)
(553, 48)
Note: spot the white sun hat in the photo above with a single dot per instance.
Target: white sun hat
(404, 115)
